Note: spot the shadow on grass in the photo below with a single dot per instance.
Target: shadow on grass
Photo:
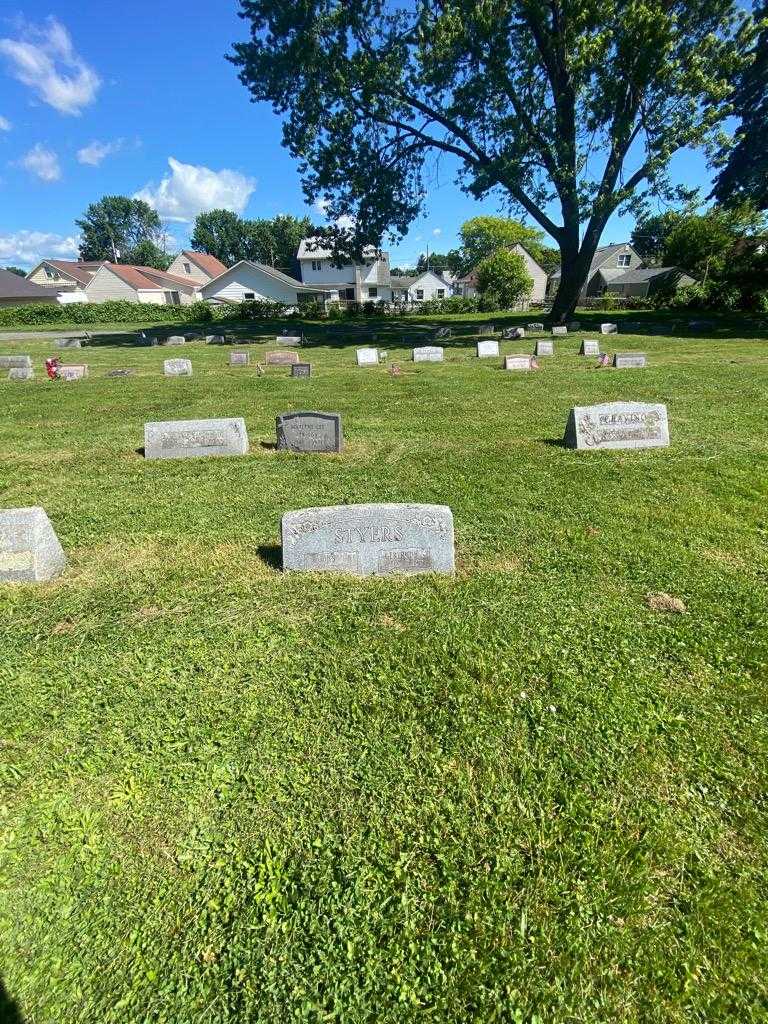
(553, 442)
(271, 555)
(9, 1008)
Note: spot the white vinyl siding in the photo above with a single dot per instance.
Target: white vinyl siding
(104, 285)
(245, 279)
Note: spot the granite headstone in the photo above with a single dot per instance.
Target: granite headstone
(74, 372)
(629, 360)
(544, 348)
(174, 339)
(30, 551)
(559, 331)
(309, 432)
(239, 358)
(186, 439)
(617, 425)
(281, 358)
(288, 339)
(177, 368)
(21, 373)
(13, 362)
(519, 362)
(301, 370)
(609, 328)
(428, 354)
(487, 347)
(535, 327)
(589, 347)
(367, 356)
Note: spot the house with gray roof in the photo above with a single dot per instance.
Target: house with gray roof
(369, 281)
(249, 281)
(18, 291)
(608, 263)
(646, 280)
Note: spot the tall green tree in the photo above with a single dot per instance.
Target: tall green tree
(650, 234)
(230, 238)
(482, 236)
(503, 275)
(744, 175)
(564, 105)
(704, 244)
(112, 228)
(17, 270)
(222, 234)
(440, 262)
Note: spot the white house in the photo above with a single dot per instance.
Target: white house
(609, 263)
(354, 282)
(426, 286)
(251, 281)
(196, 266)
(114, 281)
(66, 278)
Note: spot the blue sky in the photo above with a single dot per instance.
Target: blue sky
(94, 102)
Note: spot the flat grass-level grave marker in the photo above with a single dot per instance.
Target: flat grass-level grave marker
(215, 339)
(239, 358)
(486, 329)
(428, 354)
(519, 361)
(309, 432)
(487, 348)
(629, 360)
(535, 327)
(617, 425)
(544, 348)
(74, 372)
(369, 540)
(288, 339)
(188, 439)
(174, 339)
(21, 373)
(301, 370)
(281, 358)
(559, 332)
(513, 332)
(68, 343)
(589, 347)
(609, 328)
(15, 362)
(367, 356)
(30, 551)
(177, 368)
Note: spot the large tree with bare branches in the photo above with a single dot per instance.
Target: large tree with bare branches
(571, 108)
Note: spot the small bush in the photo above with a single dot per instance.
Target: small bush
(43, 314)
(260, 309)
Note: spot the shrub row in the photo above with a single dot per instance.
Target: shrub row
(41, 314)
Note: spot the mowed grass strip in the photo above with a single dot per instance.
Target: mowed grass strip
(517, 794)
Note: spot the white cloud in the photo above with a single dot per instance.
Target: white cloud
(45, 60)
(29, 247)
(190, 189)
(437, 231)
(95, 152)
(5, 124)
(42, 162)
(321, 205)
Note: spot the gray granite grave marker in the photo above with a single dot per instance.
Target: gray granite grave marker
(177, 368)
(21, 373)
(513, 332)
(544, 348)
(535, 327)
(301, 370)
(369, 540)
(14, 362)
(519, 362)
(629, 360)
(174, 339)
(367, 356)
(428, 354)
(186, 439)
(68, 343)
(72, 373)
(309, 432)
(486, 348)
(288, 339)
(589, 348)
(281, 358)
(617, 425)
(559, 331)
(30, 551)
(609, 328)
(239, 358)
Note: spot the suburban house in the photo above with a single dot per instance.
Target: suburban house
(66, 279)
(647, 280)
(196, 266)
(17, 291)
(140, 284)
(251, 281)
(609, 263)
(354, 282)
(426, 286)
(467, 285)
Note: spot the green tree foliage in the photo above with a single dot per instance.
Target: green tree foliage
(440, 262)
(548, 258)
(147, 254)
(503, 276)
(704, 244)
(482, 236)
(220, 233)
(744, 175)
(17, 270)
(112, 228)
(230, 238)
(541, 102)
(651, 233)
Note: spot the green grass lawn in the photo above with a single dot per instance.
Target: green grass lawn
(514, 795)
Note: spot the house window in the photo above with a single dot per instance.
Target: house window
(441, 293)
(50, 274)
(624, 261)
(249, 296)
(419, 293)
(373, 293)
(172, 299)
(187, 268)
(317, 264)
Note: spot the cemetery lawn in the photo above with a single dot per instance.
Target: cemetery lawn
(527, 793)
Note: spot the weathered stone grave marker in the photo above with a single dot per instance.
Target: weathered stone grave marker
(487, 348)
(301, 370)
(428, 354)
(68, 343)
(559, 332)
(174, 339)
(544, 348)
(513, 332)
(519, 361)
(186, 439)
(369, 540)
(309, 432)
(21, 373)
(30, 551)
(72, 373)
(589, 348)
(617, 425)
(281, 358)
(215, 339)
(629, 360)
(239, 358)
(289, 339)
(15, 362)
(367, 356)
(609, 328)
(120, 373)
(177, 368)
(535, 327)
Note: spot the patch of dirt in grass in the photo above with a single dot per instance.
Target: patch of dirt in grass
(663, 602)
(389, 623)
(724, 558)
(64, 627)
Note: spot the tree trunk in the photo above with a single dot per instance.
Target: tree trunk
(574, 272)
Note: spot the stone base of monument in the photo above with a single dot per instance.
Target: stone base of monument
(188, 439)
(617, 425)
(369, 540)
(21, 373)
(30, 551)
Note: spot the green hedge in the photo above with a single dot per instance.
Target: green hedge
(101, 313)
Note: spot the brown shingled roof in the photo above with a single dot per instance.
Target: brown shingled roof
(77, 270)
(205, 262)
